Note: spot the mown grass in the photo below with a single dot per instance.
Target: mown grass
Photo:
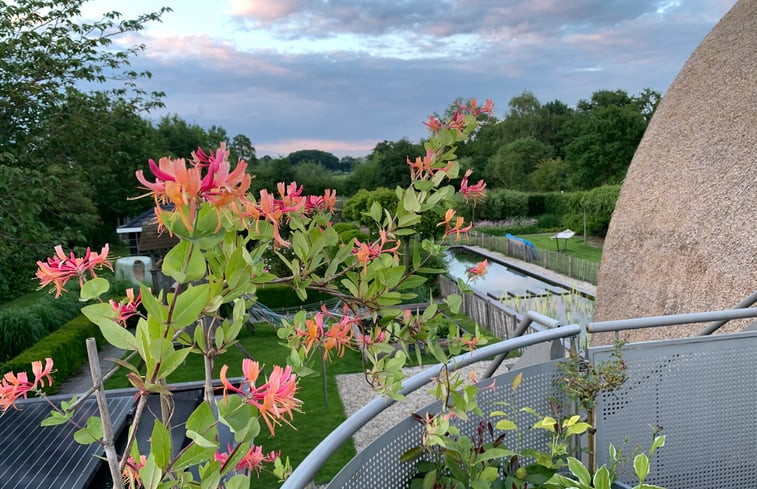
(575, 246)
(315, 422)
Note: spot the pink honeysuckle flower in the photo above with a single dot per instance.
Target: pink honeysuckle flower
(366, 252)
(14, 387)
(433, 124)
(475, 192)
(60, 268)
(131, 471)
(275, 399)
(127, 307)
(254, 458)
(313, 331)
(474, 273)
(366, 340)
(40, 374)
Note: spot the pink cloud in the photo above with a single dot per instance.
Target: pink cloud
(338, 147)
(266, 10)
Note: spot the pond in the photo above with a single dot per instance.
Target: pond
(522, 292)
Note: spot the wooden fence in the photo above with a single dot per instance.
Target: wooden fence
(492, 315)
(577, 268)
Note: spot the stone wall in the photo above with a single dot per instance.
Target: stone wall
(683, 237)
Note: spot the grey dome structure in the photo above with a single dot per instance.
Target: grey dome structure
(684, 233)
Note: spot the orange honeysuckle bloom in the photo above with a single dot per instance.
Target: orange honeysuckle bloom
(131, 471)
(61, 268)
(274, 400)
(339, 335)
(14, 387)
(475, 192)
(478, 271)
(433, 124)
(208, 178)
(313, 331)
(457, 228)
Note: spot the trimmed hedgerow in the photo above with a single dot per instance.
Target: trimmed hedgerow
(66, 346)
(283, 296)
(21, 327)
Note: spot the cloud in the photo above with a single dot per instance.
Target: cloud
(265, 10)
(346, 97)
(338, 147)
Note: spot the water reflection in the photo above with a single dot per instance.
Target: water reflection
(522, 292)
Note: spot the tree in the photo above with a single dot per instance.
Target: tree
(45, 51)
(601, 154)
(241, 147)
(511, 166)
(323, 158)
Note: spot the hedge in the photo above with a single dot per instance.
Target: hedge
(283, 296)
(66, 346)
(23, 326)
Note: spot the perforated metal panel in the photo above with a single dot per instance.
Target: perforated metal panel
(703, 392)
(379, 465)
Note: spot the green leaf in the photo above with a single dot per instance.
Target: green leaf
(506, 425)
(56, 418)
(578, 469)
(411, 454)
(375, 212)
(239, 416)
(91, 433)
(658, 442)
(454, 301)
(602, 478)
(577, 429)
(189, 305)
(201, 440)
(150, 474)
(539, 474)
(172, 361)
(160, 442)
(238, 482)
(211, 480)
(546, 423)
(201, 418)
(411, 202)
(93, 288)
(641, 466)
(152, 305)
(184, 263)
(115, 334)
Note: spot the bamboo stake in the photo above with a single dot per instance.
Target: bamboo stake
(102, 404)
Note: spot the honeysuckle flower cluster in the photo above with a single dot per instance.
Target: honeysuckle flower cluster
(274, 399)
(15, 386)
(252, 461)
(60, 268)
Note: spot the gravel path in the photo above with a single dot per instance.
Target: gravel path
(356, 393)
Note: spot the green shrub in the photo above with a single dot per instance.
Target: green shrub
(548, 222)
(282, 296)
(21, 327)
(66, 346)
(599, 204)
(361, 202)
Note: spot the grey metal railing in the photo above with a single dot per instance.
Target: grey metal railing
(715, 325)
(307, 469)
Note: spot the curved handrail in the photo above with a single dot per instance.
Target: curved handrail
(307, 469)
(714, 326)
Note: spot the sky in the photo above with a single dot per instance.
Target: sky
(343, 75)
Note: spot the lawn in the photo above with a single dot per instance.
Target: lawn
(575, 246)
(316, 422)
